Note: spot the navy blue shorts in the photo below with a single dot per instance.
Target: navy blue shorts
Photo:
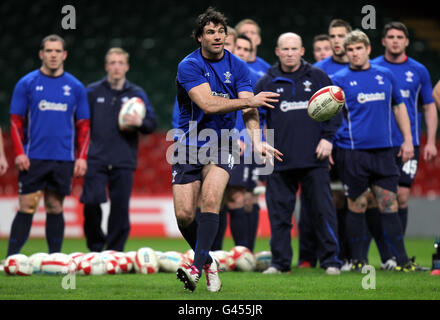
(245, 176)
(52, 175)
(360, 169)
(189, 167)
(408, 170)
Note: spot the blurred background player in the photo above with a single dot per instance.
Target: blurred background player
(230, 39)
(337, 30)
(251, 29)
(322, 47)
(112, 156)
(50, 135)
(366, 157)
(3, 161)
(415, 87)
(306, 145)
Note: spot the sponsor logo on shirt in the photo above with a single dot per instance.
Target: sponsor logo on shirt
(368, 97)
(404, 93)
(293, 105)
(52, 106)
(219, 94)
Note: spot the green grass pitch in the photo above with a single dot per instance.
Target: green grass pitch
(300, 284)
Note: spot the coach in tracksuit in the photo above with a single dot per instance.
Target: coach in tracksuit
(112, 156)
(306, 145)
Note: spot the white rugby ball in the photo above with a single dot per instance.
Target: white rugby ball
(169, 261)
(263, 260)
(146, 261)
(111, 262)
(36, 260)
(225, 260)
(131, 106)
(91, 264)
(244, 258)
(57, 263)
(18, 264)
(325, 103)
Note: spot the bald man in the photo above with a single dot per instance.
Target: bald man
(306, 145)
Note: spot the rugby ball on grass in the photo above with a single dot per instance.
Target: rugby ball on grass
(131, 106)
(244, 258)
(91, 264)
(225, 260)
(263, 260)
(325, 103)
(169, 261)
(57, 263)
(36, 260)
(18, 264)
(111, 263)
(146, 261)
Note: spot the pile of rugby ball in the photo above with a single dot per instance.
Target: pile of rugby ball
(145, 261)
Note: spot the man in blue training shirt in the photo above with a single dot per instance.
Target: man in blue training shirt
(306, 145)
(251, 29)
(212, 85)
(112, 156)
(416, 90)
(366, 157)
(50, 134)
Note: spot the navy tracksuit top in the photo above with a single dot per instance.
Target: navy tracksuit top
(108, 144)
(296, 134)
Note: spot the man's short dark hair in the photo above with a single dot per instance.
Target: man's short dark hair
(244, 37)
(321, 37)
(340, 23)
(395, 25)
(210, 15)
(52, 37)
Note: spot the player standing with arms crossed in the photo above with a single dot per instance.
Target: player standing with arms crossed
(212, 84)
(366, 156)
(50, 135)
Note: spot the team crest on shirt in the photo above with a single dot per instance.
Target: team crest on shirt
(66, 89)
(409, 76)
(228, 76)
(307, 85)
(379, 79)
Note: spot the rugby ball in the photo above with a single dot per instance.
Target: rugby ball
(131, 106)
(111, 263)
(244, 259)
(146, 261)
(169, 261)
(225, 260)
(263, 260)
(325, 103)
(91, 264)
(57, 263)
(36, 260)
(18, 264)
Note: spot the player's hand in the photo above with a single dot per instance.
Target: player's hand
(22, 162)
(264, 98)
(429, 152)
(268, 152)
(406, 151)
(133, 120)
(3, 165)
(324, 149)
(80, 168)
(242, 146)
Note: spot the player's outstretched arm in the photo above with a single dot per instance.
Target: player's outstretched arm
(402, 120)
(202, 96)
(3, 161)
(436, 94)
